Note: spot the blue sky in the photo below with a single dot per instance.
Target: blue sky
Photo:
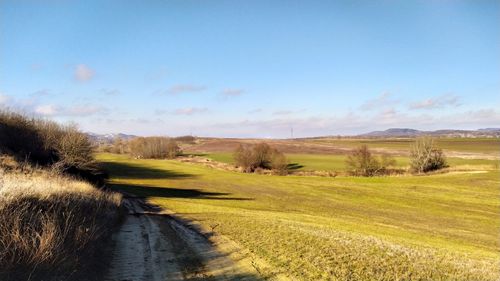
(252, 68)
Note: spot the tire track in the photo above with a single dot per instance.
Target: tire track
(153, 246)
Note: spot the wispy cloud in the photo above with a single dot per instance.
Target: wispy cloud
(4, 99)
(110, 92)
(232, 92)
(381, 101)
(41, 93)
(283, 112)
(288, 112)
(446, 100)
(190, 110)
(73, 111)
(256, 110)
(184, 89)
(85, 110)
(160, 111)
(47, 110)
(83, 73)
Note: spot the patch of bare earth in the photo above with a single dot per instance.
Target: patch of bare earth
(153, 246)
(285, 146)
(300, 146)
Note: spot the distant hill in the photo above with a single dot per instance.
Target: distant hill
(406, 132)
(108, 138)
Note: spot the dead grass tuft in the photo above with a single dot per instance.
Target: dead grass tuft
(50, 225)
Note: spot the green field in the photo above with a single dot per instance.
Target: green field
(322, 162)
(439, 227)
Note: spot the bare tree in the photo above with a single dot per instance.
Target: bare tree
(426, 157)
(361, 162)
(261, 156)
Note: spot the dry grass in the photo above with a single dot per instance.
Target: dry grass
(50, 225)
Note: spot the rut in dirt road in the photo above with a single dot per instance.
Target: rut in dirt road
(152, 246)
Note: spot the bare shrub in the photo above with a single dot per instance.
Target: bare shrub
(173, 150)
(426, 157)
(279, 163)
(361, 162)
(243, 158)
(260, 157)
(46, 143)
(154, 147)
(74, 149)
(20, 137)
(119, 146)
(186, 139)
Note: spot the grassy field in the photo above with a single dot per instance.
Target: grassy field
(314, 162)
(439, 227)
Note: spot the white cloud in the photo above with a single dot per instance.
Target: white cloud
(190, 110)
(70, 111)
(160, 111)
(381, 101)
(4, 99)
(437, 102)
(110, 92)
(83, 73)
(288, 112)
(83, 110)
(185, 88)
(232, 92)
(283, 112)
(41, 93)
(256, 110)
(47, 110)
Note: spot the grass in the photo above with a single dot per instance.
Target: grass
(322, 162)
(52, 227)
(439, 227)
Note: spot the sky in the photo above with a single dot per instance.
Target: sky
(252, 68)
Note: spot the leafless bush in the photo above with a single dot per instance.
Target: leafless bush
(426, 157)
(186, 139)
(260, 157)
(46, 143)
(119, 146)
(279, 163)
(154, 147)
(361, 162)
(243, 157)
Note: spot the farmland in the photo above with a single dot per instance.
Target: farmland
(439, 227)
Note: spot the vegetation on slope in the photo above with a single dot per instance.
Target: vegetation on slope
(52, 226)
(48, 144)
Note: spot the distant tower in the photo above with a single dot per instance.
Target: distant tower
(291, 132)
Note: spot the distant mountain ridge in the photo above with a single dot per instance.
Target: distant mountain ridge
(406, 132)
(108, 138)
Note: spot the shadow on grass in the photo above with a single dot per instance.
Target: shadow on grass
(294, 166)
(170, 192)
(130, 171)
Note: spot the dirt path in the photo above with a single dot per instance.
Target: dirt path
(153, 246)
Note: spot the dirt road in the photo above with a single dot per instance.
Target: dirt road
(154, 246)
